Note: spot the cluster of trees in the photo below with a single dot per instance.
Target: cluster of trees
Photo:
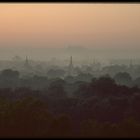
(12, 78)
(100, 107)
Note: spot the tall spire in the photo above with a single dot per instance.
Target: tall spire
(70, 68)
(71, 61)
(26, 62)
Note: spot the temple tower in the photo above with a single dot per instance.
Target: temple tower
(70, 67)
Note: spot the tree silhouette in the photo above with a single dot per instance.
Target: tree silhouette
(9, 78)
(123, 78)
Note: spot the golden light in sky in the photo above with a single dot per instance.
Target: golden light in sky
(61, 24)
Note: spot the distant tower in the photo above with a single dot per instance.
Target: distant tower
(16, 58)
(26, 63)
(70, 67)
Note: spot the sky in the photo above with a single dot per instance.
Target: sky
(27, 27)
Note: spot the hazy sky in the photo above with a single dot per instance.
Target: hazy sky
(50, 25)
(61, 25)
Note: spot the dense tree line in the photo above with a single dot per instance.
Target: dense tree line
(42, 107)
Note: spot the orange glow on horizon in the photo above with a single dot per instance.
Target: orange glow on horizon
(62, 24)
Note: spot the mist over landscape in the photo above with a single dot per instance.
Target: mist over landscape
(78, 52)
(69, 70)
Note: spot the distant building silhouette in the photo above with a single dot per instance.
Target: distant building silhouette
(27, 65)
(17, 58)
(70, 67)
(95, 65)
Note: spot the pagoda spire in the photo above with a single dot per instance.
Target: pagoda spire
(70, 68)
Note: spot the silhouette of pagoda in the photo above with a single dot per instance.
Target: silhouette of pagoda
(27, 66)
(70, 67)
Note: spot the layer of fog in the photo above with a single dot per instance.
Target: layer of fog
(79, 53)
